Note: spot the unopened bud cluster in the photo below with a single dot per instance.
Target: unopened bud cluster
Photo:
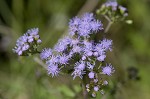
(113, 11)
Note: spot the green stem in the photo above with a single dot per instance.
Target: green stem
(40, 62)
(84, 82)
(109, 24)
(107, 27)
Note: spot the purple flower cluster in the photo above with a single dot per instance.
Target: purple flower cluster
(77, 44)
(115, 6)
(84, 26)
(46, 53)
(77, 53)
(112, 4)
(113, 11)
(25, 43)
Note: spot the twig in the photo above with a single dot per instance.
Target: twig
(108, 25)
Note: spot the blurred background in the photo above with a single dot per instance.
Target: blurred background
(23, 78)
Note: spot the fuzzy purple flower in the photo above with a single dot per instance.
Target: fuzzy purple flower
(73, 25)
(96, 88)
(112, 4)
(91, 75)
(76, 49)
(46, 53)
(53, 60)
(33, 35)
(101, 58)
(106, 44)
(79, 69)
(63, 59)
(78, 72)
(85, 25)
(25, 42)
(88, 48)
(62, 44)
(80, 65)
(108, 70)
(21, 45)
(53, 70)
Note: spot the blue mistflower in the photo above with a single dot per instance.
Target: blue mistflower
(26, 42)
(76, 49)
(80, 65)
(96, 88)
(106, 44)
(53, 70)
(77, 52)
(78, 72)
(46, 53)
(108, 69)
(91, 75)
(101, 48)
(84, 26)
(88, 17)
(73, 25)
(112, 4)
(96, 25)
(101, 57)
(75, 42)
(79, 69)
(88, 48)
(63, 59)
(53, 60)
(62, 44)
(33, 34)
(84, 29)
(21, 45)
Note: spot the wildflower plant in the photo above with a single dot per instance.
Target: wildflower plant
(78, 53)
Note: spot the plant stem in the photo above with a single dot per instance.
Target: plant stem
(108, 25)
(40, 62)
(85, 93)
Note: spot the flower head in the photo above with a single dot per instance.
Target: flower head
(106, 44)
(33, 35)
(79, 69)
(96, 88)
(63, 59)
(112, 4)
(91, 75)
(84, 26)
(108, 70)
(62, 44)
(27, 41)
(46, 53)
(21, 45)
(73, 25)
(53, 70)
